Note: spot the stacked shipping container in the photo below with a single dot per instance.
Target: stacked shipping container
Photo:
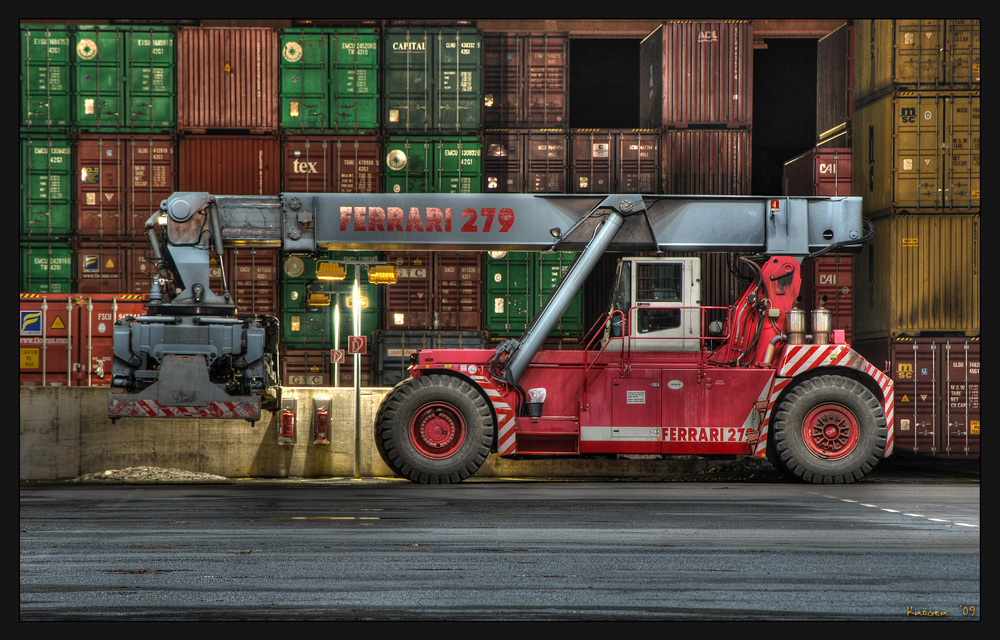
(114, 118)
(916, 134)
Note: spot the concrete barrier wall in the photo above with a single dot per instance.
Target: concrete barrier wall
(65, 433)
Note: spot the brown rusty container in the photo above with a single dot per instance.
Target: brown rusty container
(525, 160)
(253, 278)
(919, 275)
(112, 266)
(706, 161)
(834, 83)
(828, 283)
(614, 161)
(936, 395)
(525, 80)
(121, 179)
(227, 79)
(697, 73)
(435, 290)
(230, 164)
(331, 164)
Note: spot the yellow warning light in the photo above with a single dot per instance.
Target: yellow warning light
(382, 274)
(318, 300)
(330, 271)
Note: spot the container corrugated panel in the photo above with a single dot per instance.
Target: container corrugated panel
(919, 275)
(697, 73)
(110, 267)
(917, 54)
(124, 78)
(227, 78)
(252, 275)
(306, 368)
(936, 396)
(458, 282)
(408, 302)
(46, 77)
(828, 283)
(434, 290)
(307, 325)
(229, 164)
(67, 339)
(706, 161)
(614, 161)
(433, 80)
(526, 80)
(394, 348)
(834, 83)
(329, 80)
(121, 180)
(525, 160)
(46, 267)
(920, 152)
(516, 286)
(332, 164)
(46, 187)
(314, 368)
(448, 164)
(821, 171)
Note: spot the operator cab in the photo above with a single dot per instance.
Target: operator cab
(658, 299)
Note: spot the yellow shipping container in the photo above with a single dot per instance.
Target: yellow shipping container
(933, 55)
(918, 152)
(919, 276)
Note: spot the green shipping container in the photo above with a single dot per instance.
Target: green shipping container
(124, 78)
(433, 165)
(311, 326)
(46, 268)
(46, 77)
(433, 80)
(46, 186)
(329, 80)
(517, 284)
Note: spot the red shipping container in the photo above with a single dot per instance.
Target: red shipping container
(697, 73)
(937, 393)
(332, 164)
(68, 339)
(435, 291)
(112, 267)
(525, 80)
(230, 165)
(314, 368)
(122, 180)
(706, 161)
(252, 275)
(821, 171)
(227, 79)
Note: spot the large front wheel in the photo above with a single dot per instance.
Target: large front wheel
(434, 429)
(829, 429)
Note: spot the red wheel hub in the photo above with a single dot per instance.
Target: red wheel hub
(437, 430)
(830, 431)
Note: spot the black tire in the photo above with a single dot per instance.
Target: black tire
(435, 429)
(829, 429)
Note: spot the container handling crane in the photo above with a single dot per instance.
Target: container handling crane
(655, 379)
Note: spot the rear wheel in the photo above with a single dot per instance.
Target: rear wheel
(434, 429)
(829, 429)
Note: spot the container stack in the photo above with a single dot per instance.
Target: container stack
(529, 147)
(916, 153)
(826, 170)
(696, 90)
